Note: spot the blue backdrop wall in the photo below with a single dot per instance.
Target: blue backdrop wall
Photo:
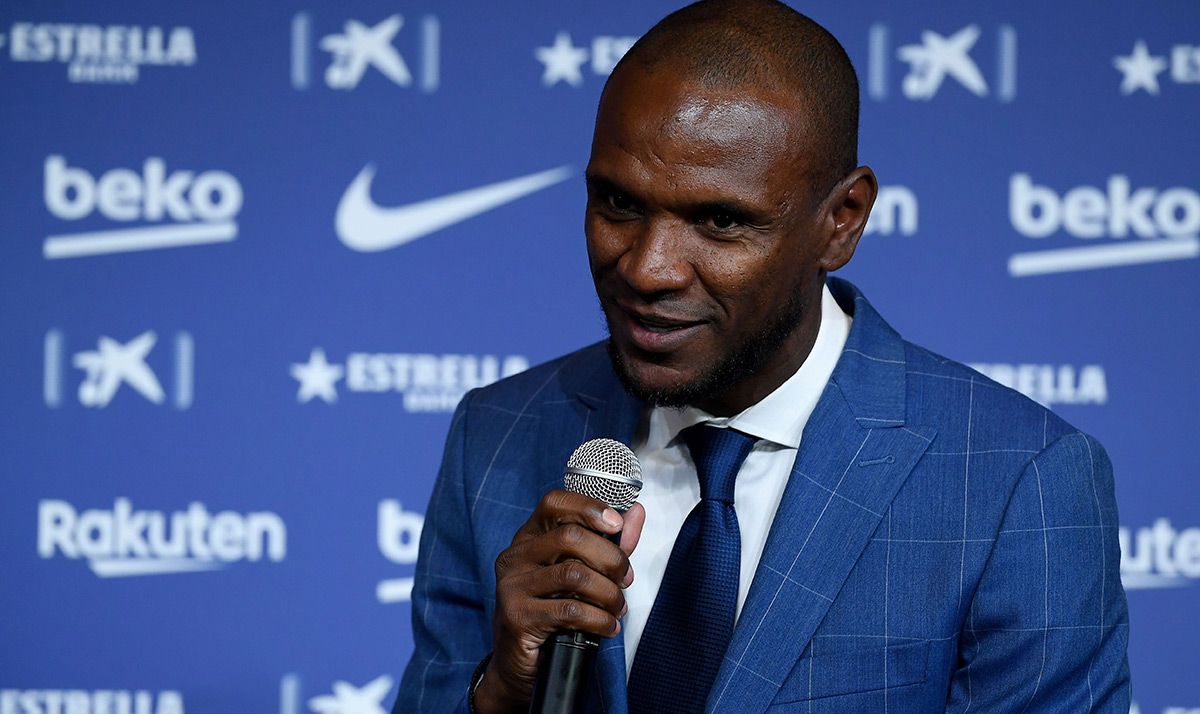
(253, 254)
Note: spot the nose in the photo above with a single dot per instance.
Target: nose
(656, 261)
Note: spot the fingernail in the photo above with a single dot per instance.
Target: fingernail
(611, 518)
(628, 579)
(624, 610)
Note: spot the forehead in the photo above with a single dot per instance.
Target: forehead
(659, 129)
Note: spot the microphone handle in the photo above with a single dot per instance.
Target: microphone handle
(565, 664)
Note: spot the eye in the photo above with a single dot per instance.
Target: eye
(619, 202)
(722, 221)
(719, 220)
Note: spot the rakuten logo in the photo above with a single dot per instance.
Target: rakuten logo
(1168, 219)
(200, 208)
(1159, 556)
(125, 542)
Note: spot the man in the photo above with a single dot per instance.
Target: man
(902, 534)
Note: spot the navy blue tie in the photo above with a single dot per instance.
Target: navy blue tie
(691, 622)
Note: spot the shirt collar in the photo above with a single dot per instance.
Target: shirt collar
(781, 415)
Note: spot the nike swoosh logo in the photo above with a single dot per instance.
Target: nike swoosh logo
(363, 225)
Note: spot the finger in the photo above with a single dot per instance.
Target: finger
(559, 507)
(526, 622)
(575, 580)
(631, 532)
(569, 614)
(570, 542)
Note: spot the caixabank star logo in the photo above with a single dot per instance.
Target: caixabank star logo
(341, 697)
(361, 49)
(971, 61)
(114, 368)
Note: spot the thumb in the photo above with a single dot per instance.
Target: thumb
(631, 530)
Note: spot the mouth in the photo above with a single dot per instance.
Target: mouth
(653, 332)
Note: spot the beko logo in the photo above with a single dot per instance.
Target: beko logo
(1088, 212)
(398, 537)
(195, 208)
(1167, 221)
(122, 541)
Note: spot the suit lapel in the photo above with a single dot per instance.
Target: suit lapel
(843, 480)
(601, 409)
(855, 455)
(598, 407)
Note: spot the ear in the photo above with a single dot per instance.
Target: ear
(846, 211)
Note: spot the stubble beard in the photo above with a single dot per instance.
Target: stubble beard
(746, 360)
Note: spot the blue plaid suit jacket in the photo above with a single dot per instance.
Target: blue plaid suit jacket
(943, 543)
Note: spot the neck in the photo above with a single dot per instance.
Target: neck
(776, 370)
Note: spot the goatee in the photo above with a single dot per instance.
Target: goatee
(744, 361)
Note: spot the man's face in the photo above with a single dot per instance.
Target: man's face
(703, 235)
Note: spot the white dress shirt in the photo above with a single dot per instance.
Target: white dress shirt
(672, 488)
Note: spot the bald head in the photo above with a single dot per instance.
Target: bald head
(727, 44)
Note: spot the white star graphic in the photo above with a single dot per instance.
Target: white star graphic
(1140, 68)
(349, 699)
(317, 378)
(562, 61)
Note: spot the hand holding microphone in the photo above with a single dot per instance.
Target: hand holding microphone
(562, 575)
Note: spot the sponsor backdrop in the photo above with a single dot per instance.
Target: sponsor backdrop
(253, 255)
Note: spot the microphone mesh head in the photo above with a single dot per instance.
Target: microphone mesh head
(606, 470)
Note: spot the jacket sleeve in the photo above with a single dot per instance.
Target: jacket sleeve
(1047, 627)
(450, 628)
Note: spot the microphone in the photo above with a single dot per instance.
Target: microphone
(608, 471)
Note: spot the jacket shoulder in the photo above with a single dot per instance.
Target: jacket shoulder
(557, 379)
(954, 398)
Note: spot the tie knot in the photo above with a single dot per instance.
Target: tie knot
(718, 454)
